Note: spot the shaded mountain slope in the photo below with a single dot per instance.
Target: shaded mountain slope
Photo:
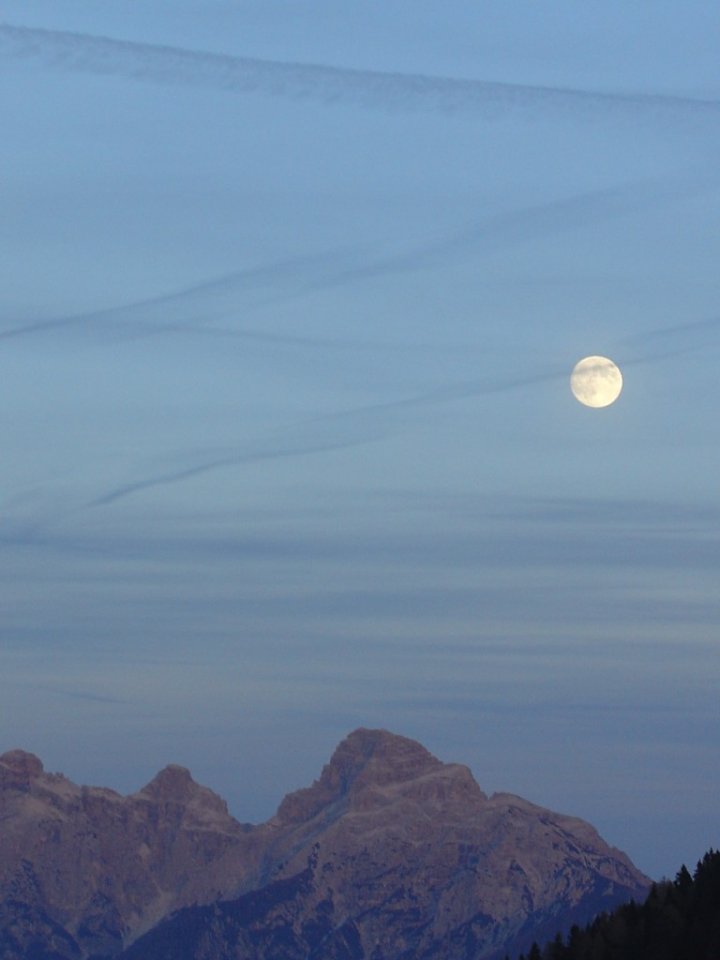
(679, 920)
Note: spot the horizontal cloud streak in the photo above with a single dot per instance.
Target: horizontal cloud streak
(473, 530)
(79, 695)
(170, 65)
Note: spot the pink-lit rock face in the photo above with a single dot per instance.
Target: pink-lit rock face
(407, 849)
(19, 769)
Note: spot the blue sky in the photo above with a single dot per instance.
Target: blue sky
(291, 293)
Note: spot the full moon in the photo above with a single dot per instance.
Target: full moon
(596, 382)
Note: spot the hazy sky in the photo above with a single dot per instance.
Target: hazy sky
(291, 292)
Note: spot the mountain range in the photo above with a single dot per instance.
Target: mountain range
(390, 854)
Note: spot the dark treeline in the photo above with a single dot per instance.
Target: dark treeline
(680, 920)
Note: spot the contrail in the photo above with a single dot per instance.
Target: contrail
(155, 63)
(361, 425)
(324, 434)
(521, 225)
(699, 331)
(285, 447)
(153, 312)
(195, 309)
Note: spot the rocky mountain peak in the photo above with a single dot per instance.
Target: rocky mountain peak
(171, 783)
(378, 757)
(372, 762)
(174, 786)
(19, 768)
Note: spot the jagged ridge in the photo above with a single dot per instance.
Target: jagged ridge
(390, 853)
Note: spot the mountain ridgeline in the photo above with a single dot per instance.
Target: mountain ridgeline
(389, 855)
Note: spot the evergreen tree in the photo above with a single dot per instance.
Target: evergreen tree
(679, 920)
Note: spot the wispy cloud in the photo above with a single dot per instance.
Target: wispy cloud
(191, 308)
(523, 224)
(673, 340)
(197, 308)
(170, 65)
(324, 434)
(498, 530)
(372, 422)
(78, 694)
(295, 442)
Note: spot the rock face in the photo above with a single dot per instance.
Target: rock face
(96, 868)
(389, 855)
